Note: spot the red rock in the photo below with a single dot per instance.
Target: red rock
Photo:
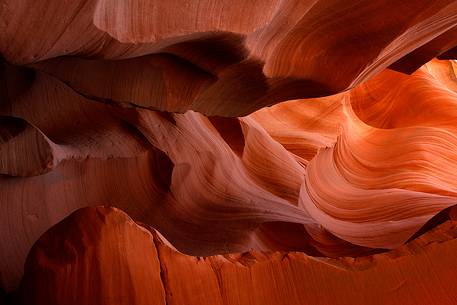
(98, 255)
(212, 49)
(95, 256)
(324, 130)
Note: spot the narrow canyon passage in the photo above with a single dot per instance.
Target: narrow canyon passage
(228, 152)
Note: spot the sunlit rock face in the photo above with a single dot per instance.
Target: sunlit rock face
(228, 152)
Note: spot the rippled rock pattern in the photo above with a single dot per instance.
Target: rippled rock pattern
(244, 152)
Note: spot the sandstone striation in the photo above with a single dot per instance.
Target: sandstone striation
(76, 254)
(248, 152)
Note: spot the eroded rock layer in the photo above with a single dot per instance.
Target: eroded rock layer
(75, 256)
(199, 55)
(158, 108)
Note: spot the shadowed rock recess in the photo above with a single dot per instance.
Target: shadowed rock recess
(268, 152)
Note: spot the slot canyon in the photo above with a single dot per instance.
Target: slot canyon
(228, 152)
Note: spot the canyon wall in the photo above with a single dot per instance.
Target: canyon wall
(228, 152)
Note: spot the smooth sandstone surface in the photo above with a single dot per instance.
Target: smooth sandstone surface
(76, 255)
(199, 55)
(279, 151)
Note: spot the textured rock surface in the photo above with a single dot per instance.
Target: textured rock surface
(69, 264)
(76, 256)
(158, 108)
(200, 54)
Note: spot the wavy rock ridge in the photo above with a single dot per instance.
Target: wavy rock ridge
(159, 109)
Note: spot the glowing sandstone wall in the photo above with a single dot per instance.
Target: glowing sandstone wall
(266, 152)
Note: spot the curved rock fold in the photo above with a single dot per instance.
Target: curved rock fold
(247, 152)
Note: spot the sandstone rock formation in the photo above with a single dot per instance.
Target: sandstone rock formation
(268, 152)
(75, 256)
